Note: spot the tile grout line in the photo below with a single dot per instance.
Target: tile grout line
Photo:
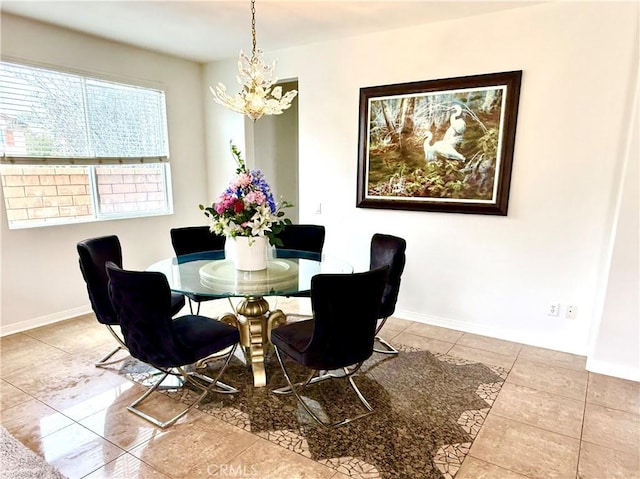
(624, 411)
(537, 427)
(487, 351)
(613, 408)
(456, 343)
(584, 415)
(19, 389)
(555, 365)
(517, 383)
(546, 364)
(25, 333)
(499, 466)
(490, 339)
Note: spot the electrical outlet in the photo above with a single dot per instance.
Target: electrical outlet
(572, 312)
(553, 309)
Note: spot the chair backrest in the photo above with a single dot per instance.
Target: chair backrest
(388, 250)
(195, 239)
(142, 301)
(345, 312)
(94, 253)
(302, 238)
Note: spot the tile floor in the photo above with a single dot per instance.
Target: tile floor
(552, 419)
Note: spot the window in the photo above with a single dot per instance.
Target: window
(80, 149)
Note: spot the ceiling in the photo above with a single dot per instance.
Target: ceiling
(205, 31)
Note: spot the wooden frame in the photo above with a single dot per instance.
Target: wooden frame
(439, 145)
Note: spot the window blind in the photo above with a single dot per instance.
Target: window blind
(49, 117)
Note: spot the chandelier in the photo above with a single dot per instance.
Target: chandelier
(257, 97)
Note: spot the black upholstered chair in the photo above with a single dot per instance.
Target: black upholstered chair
(93, 254)
(388, 250)
(340, 335)
(195, 239)
(142, 301)
(308, 238)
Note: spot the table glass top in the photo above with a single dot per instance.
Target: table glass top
(212, 274)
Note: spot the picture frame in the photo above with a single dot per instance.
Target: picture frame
(439, 145)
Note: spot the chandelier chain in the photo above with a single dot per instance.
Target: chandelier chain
(253, 27)
(260, 95)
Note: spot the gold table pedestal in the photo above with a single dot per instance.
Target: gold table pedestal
(255, 323)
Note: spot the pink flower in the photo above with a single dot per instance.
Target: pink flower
(255, 197)
(224, 202)
(241, 181)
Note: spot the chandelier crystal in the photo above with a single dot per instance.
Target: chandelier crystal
(258, 96)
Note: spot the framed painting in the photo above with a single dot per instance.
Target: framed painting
(439, 145)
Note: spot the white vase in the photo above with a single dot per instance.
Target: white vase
(251, 253)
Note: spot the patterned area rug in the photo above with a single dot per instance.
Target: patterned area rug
(428, 410)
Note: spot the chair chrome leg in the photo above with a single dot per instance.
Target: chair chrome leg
(190, 305)
(162, 425)
(295, 389)
(387, 348)
(116, 336)
(363, 400)
(224, 388)
(284, 390)
(105, 361)
(214, 385)
(146, 394)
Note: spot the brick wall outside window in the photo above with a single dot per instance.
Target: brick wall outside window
(37, 195)
(123, 190)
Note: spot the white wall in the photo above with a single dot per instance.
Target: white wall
(486, 274)
(615, 347)
(222, 127)
(41, 281)
(276, 153)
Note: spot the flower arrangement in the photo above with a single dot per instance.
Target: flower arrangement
(247, 206)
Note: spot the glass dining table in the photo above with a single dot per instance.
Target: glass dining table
(213, 275)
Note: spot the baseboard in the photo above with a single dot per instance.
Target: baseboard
(20, 326)
(540, 341)
(612, 369)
